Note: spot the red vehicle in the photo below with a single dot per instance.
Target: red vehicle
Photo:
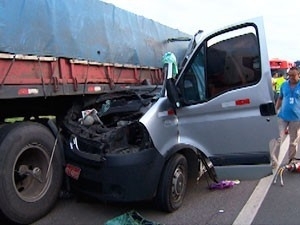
(280, 66)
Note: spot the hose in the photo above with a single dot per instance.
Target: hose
(291, 167)
(279, 173)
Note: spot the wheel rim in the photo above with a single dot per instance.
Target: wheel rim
(178, 184)
(30, 178)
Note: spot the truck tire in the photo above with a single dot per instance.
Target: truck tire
(173, 184)
(26, 193)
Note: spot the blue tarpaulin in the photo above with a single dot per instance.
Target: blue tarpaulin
(85, 29)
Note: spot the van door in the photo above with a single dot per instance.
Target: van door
(228, 111)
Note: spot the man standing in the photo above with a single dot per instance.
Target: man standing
(288, 103)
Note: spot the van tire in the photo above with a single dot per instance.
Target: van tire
(26, 194)
(173, 184)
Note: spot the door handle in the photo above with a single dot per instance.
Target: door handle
(267, 109)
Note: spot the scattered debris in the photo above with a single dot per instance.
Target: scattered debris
(293, 166)
(224, 184)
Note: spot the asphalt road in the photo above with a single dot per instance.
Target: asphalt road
(279, 206)
(256, 202)
(201, 206)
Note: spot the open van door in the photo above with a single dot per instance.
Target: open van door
(226, 101)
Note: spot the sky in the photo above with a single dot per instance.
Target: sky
(281, 18)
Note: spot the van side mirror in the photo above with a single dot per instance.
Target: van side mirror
(170, 87)
(172, 93)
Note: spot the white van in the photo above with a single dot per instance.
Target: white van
(218, 114)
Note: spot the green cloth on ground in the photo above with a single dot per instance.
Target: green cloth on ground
(130, 218)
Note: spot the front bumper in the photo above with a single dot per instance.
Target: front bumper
(117, 177)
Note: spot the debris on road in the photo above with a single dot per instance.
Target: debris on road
(131, 217)
(224, 184)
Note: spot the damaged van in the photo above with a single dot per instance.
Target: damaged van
(216, 115)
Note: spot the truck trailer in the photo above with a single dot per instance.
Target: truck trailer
(93, 102)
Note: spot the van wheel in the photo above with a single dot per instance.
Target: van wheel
(27, 191)
(173, 184)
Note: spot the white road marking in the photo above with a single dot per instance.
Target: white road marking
(250, 209)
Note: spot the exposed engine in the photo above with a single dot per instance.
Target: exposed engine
(109, 124)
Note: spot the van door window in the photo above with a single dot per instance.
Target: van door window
(232, 62)
(193, 83)
(223, 63)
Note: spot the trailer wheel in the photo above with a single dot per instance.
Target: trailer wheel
(27, 192)
(173, 184)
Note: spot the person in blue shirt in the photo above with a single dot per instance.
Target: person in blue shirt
(288, 104)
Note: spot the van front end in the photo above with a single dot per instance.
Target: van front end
(109, 153)
(122, 176)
